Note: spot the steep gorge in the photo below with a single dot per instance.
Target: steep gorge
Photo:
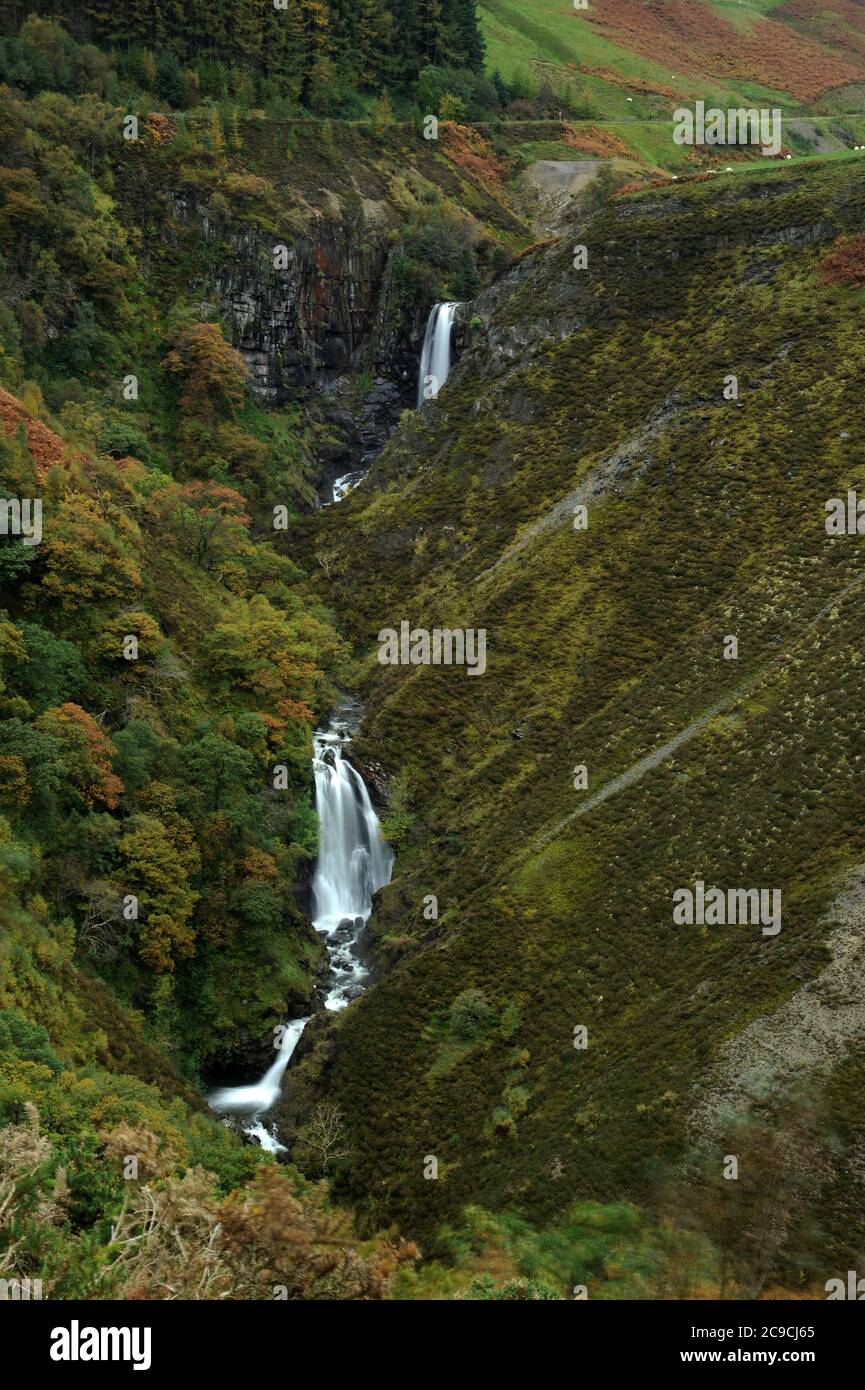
(705, 518)
(513, 430)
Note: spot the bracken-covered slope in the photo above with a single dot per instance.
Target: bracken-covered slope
(803, 52)
(606, 647)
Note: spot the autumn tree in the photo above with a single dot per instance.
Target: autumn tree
(14, 786)
(159, 862)
(211, 374)
(272, 1236)
(40, 753)
(207, 519)
(86, 753)
(273, 656)
(12, 647)
(221, 448)
(111, 643)
(89, 554)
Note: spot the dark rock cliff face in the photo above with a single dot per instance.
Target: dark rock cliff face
(311, 312)
(330, 311)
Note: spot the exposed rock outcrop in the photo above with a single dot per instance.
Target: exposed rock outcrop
(309, 315)
(806, 1035)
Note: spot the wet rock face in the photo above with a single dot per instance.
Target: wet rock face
(360, 426)
(379, 411)
(296, 325)
(375, 778)
(244, 1054)
(309, 308)
(356, 426)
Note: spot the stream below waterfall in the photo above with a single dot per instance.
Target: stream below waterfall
(353, 860)
(353, 863)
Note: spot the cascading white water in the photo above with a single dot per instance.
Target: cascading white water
(353, 860)
(435, 364)
(353, 863)
(255, 1100)
(344, 485)
(435, 357)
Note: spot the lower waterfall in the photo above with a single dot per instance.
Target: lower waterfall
(353, 860)
(353, 863)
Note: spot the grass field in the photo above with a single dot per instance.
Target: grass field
(731, 52)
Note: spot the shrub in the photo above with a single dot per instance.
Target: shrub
(470, 1014)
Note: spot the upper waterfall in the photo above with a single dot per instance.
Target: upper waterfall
(435, 357)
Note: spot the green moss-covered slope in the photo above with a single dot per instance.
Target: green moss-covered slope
(606, 387)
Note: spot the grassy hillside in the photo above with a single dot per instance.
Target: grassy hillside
(706, 519)
(797, 53)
